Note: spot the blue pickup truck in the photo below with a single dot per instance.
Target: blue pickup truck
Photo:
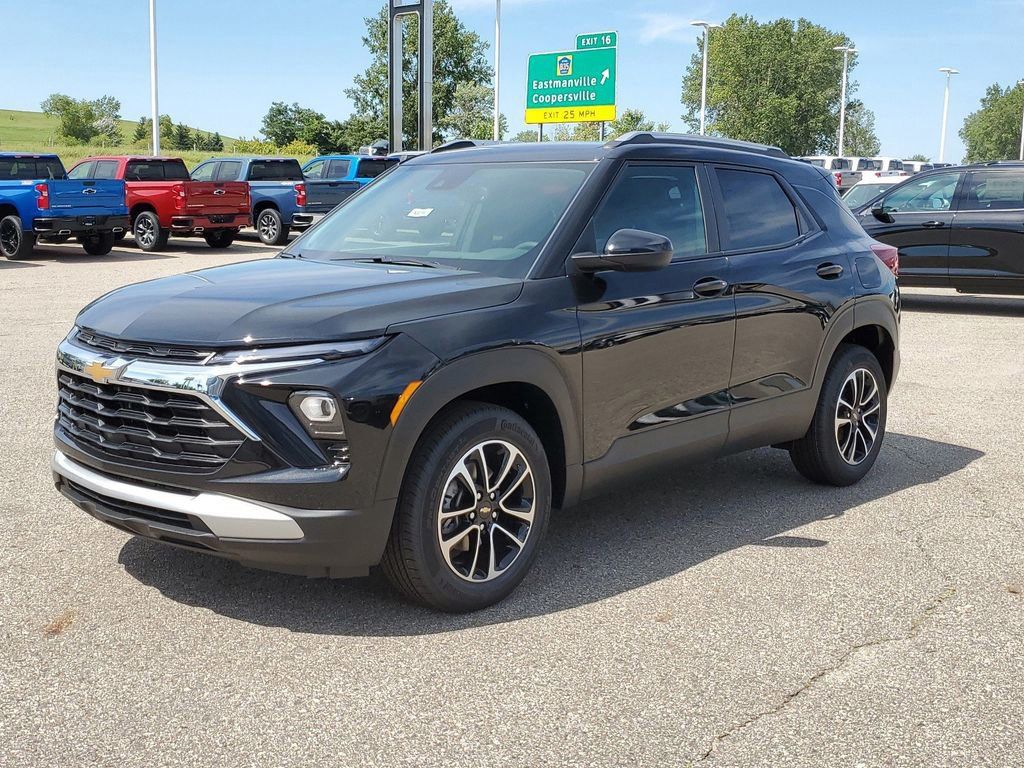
(39, 202)
(277, 191)
(332, 178)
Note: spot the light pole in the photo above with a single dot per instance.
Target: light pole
(497, 69)
(1020, 84)
(847, 50)
(707, 25)
(945, 111)
(154, 109)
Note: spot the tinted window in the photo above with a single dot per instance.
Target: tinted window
(228, 170)
(994, 190)
(204, 172)
(895, 165)
(660, 199)
(932, 193)
(338, 169)
(758, 212)
(275, 170)
(840, 164)
(27, 168)
(869, 164)
(156, 170)
(818, 161)
(371, 169)
(105, 169)
(314, 170)
(82, 171)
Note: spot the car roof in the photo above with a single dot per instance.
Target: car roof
(250, 158)
(35, 155)
(146, 158)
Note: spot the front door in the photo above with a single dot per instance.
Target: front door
(986, 249)
(657, 346)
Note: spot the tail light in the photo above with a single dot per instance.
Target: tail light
(889, 255)
(42, 197)
(838, 178)
(178, 191)
(300, 194)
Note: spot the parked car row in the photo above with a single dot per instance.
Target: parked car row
(849, 171)
(101, 199)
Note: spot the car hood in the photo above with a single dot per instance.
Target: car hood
(289, 301)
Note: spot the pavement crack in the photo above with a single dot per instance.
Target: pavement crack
(916, 623)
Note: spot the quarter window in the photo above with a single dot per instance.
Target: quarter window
(758, 212)
(994, 191)
(664, 200)
(932, 193)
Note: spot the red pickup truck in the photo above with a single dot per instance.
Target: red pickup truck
(162, 200)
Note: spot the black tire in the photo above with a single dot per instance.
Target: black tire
(834, 453)
(149, 235)
(413, 559)
(219, 238)
(98, 245)
(15, 243)
(271, 227)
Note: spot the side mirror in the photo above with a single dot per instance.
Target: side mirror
(882, 215)
(628, 250)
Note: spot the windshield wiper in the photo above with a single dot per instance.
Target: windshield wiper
(289, 255)
(402, 261)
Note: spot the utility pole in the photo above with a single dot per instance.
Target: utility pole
(154, 108)
(497, 70)
(847, 50)
(707, 25)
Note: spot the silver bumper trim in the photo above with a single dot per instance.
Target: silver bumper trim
(227, 516)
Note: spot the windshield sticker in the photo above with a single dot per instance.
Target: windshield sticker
(419, 213)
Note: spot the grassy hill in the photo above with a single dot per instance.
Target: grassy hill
(35, 132)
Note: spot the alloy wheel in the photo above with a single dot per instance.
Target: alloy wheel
(857, 416)
(10, 238)
(268, 226)
(486, 512)
(145, 231)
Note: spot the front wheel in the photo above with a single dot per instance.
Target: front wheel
(219, 238)
(271, 227)
(98, 245)
(846, 434)
(473, 509)
(15, 242)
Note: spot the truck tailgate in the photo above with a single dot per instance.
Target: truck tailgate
(204, 198)
(77, 197)
(323, 196)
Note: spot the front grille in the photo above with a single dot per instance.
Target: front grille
(165, 430)
(131, 509)
(142, 349)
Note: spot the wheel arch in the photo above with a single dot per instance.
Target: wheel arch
(141, 208)
(261, 206)
(871, 323)
(7, 209)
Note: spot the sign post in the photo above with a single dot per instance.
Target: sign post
(573, 86)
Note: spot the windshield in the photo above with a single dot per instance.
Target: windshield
(861, 193)
(482, 217)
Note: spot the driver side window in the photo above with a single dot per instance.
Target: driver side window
(934, 193)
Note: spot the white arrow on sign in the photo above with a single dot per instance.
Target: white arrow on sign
(604, 76)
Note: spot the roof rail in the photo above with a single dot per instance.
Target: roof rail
(686, 139)
(464, 144)
(1003, 162)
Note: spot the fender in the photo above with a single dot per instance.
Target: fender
(875, 309)
(534, 366)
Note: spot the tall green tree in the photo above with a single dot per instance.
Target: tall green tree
(182, 137)
(472, 114)
(776, 82)
(859, 139)
(577, 132)
(142, 130)
(459, 57)
(993, 131)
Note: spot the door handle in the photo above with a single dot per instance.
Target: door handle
(710, 286)
(933, 224)
(829, 271)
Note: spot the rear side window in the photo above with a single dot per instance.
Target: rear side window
(338, 169)
(105, 169)
(758, 212)
(156, 170)
(275, 170)
(27, 168)
(228, 170)
(994, 191)
(371, 169)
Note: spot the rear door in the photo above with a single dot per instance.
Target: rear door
(986, 251)
(918, 219)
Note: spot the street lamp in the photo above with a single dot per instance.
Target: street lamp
(152, 78)
(1020, 84)
(497, 68)
(707, 25)
(847, 50)
(945, 111)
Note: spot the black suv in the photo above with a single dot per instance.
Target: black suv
(475, 338)
(957, 228)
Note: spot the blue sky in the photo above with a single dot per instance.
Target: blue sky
(223, 61)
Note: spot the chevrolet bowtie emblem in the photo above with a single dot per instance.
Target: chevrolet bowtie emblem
(102, 372)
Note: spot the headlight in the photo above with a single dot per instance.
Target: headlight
(319, 413)
(330, 351)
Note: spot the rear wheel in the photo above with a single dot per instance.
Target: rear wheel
(149, 235)
(844, 438)
(219, 238)
(271, 227)
(15, 243)
(473, 509)
(98, 245)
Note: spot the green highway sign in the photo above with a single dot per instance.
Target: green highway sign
(596, 40)
(571, 86)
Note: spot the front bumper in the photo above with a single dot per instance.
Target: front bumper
(199, 224)
(80, 225)
(311, 542)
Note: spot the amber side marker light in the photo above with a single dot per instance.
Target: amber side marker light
(403, 399)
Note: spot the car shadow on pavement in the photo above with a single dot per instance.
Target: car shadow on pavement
(967, 304)
(600, 549)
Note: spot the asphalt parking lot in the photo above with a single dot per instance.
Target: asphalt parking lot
(729, 614)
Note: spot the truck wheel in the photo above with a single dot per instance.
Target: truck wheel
(473, 509)
(15, 243)
(219, 238)
(98, 245)
(271, 227)
(149, 235)
(844, 438)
